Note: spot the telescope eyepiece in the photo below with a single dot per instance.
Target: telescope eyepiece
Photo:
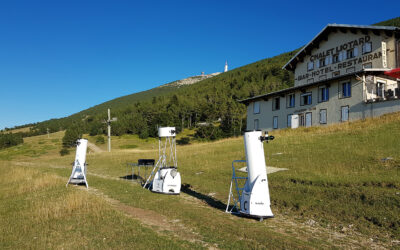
(266, 138)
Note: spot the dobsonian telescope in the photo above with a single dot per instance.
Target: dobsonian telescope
(78, 175)
(253, 198)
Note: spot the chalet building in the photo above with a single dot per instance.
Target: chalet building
(346, 72)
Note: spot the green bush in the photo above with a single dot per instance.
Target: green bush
(183, 141)
(209, 132)
(144, 134)
(71, 136)
(64, 151)
(100, 139)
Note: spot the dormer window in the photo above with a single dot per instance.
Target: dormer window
(310, 66)
(367, 47)
(342, 55)
(352, 52)
(335, 58)
(321, 63)
(328, 60)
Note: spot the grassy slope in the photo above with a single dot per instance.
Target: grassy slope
(337, 192)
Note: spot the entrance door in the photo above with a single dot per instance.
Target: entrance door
(294, 121)
(308, 119)
(302, 120)
(345, 113)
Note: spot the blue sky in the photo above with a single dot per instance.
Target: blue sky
(60, 57)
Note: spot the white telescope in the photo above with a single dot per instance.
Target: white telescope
(166, 178)
(78, 175)
(253, 197)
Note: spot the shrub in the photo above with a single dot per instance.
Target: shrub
(64, 151)
(71, 135)
(183, 141)
(100, 139)
(144, 133)
(209, 132)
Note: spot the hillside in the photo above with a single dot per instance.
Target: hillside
(185, 105)
(164, 89)
(340, 190)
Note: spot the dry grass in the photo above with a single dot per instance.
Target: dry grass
(70, 204)
(19, 180)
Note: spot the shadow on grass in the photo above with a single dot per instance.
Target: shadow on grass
(133, 177)
(187, 189)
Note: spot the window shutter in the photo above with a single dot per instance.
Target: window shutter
(355, 51)
(348, 89)
(327, 94)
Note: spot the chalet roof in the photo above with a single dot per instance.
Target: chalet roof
(323, 35)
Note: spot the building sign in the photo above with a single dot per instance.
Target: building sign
(340, 58)
(384, 58)
(342, 47)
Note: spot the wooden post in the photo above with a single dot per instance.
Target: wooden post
(109, 130)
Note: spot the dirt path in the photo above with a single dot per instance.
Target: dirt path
(94, 148)
(153, 220)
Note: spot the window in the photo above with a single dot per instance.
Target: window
(345, 113)
(276, 103)
(366, 47)
(289, 121)
(323, 94)
(367, 65)
(306, 99)
(335, 58)
(380, 89)
(342, 55)
(256, 107)
(346, 90)
(328, 60)
(275, 122)
(256, 124)
(302, 120)
(308, 119)
(352, 52)
(322, 116)
(290, 101)
(310, 66)
(322, 62)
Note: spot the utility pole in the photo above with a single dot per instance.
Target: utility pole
(109, 130)
(48, 133)
(109, 120)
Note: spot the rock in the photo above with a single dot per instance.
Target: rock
(310, 222)
(387, 159)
